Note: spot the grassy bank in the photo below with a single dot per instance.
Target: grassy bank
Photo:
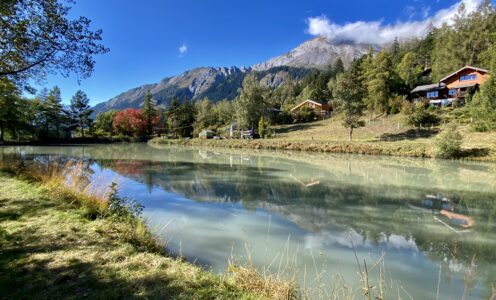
(381, 136)
(59, 242)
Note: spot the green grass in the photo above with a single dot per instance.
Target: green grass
(383, 135)
(50, 249)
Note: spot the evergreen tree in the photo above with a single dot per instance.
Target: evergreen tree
(395, 52)
(173, 118)
(379, 76)
(149, 113)
(54, 111)
(349, 94)
(9, 113)
(181, 117)
(80, 111)
(338, 67)
(409, 70)
(463, 42)
(483, 104)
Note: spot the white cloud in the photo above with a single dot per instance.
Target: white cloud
(182, 49)
(376, 32)
(426, 10)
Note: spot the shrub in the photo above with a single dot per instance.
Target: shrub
(407, 107)
(122, 207)
(394, 104)
(306, 114)
(282, 118)
(448, 143)
(262, 127)
(421, 116)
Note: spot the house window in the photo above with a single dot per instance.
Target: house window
(468, 77)
(433, 94)
(452, 92)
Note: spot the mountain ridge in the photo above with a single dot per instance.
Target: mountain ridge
(219, 83)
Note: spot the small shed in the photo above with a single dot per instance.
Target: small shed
(206, 134)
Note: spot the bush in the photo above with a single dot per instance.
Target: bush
(306, 114)
(421, 116)
(282, 118)
(394, 104)
(448, 143)
(262, 128)
(407, 107)
(122, 207)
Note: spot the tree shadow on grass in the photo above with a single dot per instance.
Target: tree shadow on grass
(14, 209)
(474, 152)
(297, 127)
(411, 134)
(67, 261)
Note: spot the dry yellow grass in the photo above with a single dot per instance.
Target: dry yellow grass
(57, 243)
(248, 278)
(382, 135)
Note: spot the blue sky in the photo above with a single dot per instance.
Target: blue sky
(153, 39)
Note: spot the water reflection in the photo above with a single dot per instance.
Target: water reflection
(429, 217)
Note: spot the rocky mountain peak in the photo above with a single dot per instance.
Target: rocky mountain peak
(219, 83)
(318, 52)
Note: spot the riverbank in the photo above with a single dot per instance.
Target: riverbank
(378, 148)
(381, 136)
(74, 141)
(58, 243)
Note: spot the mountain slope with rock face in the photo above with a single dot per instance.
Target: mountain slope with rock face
(316, 53)
(224, 83)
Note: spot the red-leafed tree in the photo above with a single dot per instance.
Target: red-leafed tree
(132, 122)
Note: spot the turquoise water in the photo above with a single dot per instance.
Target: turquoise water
(426, 226)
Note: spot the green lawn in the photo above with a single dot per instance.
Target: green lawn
(50, 250)
(382, 135)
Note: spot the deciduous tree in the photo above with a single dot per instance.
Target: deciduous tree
(130, 122)
(251, 104)
(37, 37)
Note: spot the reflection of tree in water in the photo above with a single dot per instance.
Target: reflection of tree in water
(371, 211)
(369, 195)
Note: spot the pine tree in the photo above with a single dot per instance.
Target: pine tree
(149, 113)
(349, 94)
(80, 111)
(409, 70)
(395, 52)
(483, 104)
(9, 113)
(379, 76)
(54, 109)
(338, 67)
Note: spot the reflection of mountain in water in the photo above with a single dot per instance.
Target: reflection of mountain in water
(380, 202)
(323, 204)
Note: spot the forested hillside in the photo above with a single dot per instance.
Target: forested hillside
(377, 82)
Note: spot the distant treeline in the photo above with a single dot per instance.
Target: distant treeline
(378, 82)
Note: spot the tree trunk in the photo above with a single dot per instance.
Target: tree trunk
(1, 131)
(351, 133)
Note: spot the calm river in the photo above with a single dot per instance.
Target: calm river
(428, 227)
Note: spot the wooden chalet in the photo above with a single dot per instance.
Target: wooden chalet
(321, 108)
(451, 87)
